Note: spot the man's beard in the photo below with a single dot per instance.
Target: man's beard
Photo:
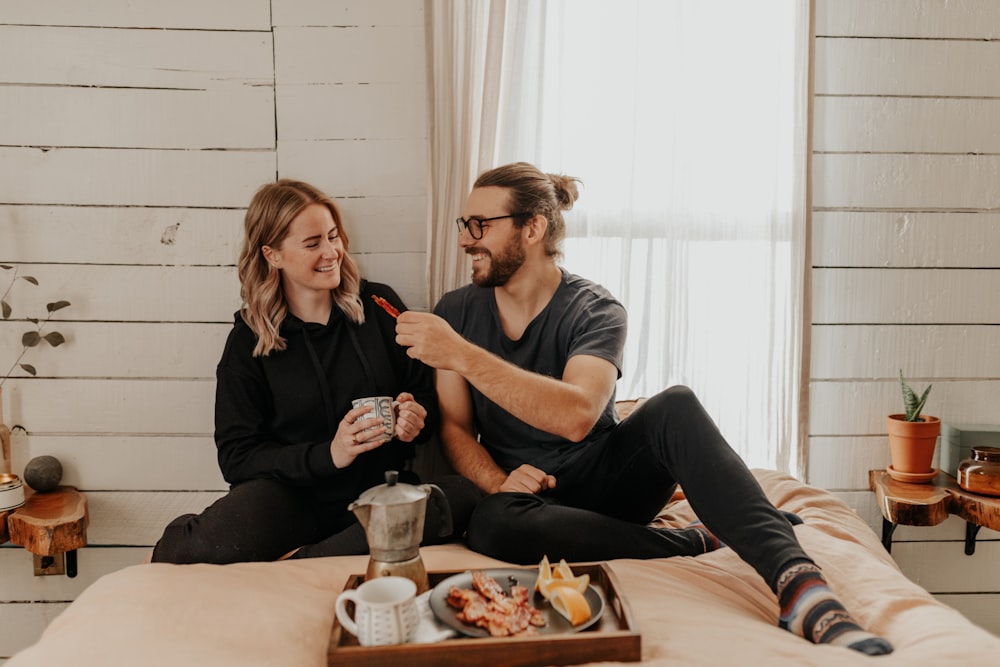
(503, 265)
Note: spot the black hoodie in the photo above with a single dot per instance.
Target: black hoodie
(275, 415)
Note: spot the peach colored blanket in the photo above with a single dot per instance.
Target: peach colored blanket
(709, 610)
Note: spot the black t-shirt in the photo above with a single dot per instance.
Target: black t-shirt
(582, 318)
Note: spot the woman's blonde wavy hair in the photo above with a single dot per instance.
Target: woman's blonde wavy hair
(266, 223)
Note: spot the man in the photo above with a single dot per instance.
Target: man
(527, 358)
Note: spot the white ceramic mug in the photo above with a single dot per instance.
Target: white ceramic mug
(385, 611)
(382, 406)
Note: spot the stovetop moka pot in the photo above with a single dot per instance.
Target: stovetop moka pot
(392, 515)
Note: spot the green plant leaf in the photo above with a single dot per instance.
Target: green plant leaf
(920, 404)
(911, 404)
(33, 338)
(54, 338)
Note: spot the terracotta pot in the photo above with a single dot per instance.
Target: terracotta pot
(911, 444)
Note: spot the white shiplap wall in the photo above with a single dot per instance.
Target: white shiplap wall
(132, 135)
(906, 253)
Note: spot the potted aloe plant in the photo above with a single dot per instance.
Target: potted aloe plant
(912, 437)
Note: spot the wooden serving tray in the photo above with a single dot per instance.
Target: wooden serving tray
(613, 638)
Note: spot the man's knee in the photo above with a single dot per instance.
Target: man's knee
(498, 511)
(503, 520)
(676, 401)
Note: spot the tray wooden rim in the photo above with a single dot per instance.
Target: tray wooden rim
(614, 638)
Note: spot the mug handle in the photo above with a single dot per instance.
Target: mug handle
(342, 616)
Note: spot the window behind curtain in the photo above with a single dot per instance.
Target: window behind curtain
(685, 121)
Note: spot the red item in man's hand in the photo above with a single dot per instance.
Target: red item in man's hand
(386, 306)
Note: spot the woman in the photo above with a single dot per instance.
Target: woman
(308, 340)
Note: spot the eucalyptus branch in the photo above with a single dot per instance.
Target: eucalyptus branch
(4, 306)
(30, 338)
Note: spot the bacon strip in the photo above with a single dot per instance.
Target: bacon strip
(385, 305)
(489, 607)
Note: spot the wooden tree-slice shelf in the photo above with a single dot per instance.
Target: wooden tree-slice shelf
(50, 523)
(930, 504)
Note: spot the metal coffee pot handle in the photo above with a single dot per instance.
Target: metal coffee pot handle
(441, 502)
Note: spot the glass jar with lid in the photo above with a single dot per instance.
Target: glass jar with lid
(981, 473)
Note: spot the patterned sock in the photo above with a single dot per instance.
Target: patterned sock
(711, 541)
(811, 610)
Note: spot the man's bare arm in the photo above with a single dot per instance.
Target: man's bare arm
(567, 407)
(458, 435)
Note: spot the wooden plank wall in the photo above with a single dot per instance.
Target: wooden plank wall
(906, 253)
(132, 135)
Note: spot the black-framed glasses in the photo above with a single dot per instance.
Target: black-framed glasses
(475, 225)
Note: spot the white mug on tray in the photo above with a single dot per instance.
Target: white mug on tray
(385, 611)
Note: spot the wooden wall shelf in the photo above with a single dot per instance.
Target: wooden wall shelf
(929, 504)
(50, 523)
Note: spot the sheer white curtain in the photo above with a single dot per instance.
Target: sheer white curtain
(686, 121)
(474, 60)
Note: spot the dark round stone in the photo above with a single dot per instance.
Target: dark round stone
(43, 473)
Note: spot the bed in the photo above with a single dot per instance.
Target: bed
(709, 610)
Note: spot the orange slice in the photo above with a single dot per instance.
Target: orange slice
(571, 604)
(544, 573)
(561, 576)
(579, 584)
(562, 570)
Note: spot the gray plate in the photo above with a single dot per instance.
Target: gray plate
(555, 623)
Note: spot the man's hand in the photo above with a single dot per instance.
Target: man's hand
(429, 339)
(528, 479)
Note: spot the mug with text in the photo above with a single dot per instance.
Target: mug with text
(385, 611)
(382, 407)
